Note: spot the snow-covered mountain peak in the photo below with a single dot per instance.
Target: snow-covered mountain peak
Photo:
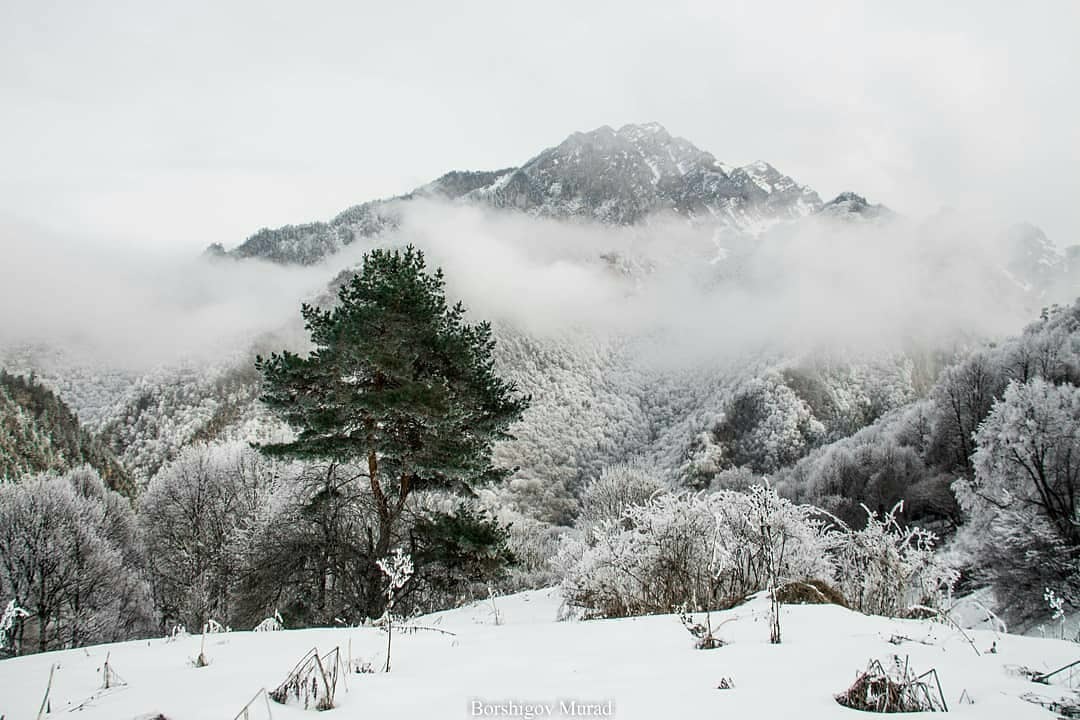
(766, 177)
(849, 197)
(653, 128)
(1032, 258)
(852, 206)
(648, 151)
(619, 177)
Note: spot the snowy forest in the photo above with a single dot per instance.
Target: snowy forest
(678, 412)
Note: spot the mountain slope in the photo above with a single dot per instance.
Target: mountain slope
(40, 433)
(624, 176)
(619, 177)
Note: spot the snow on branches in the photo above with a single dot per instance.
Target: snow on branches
(398, 568)
(699, 550)
(886, 568)
(13, 615)
(709, 550)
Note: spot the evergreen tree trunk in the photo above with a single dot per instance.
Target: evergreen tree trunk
(382, 509)
(375, 600)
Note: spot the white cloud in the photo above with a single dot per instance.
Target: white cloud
(134, 307)
(815, 285)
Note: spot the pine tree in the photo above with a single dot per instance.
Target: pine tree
(397, 382)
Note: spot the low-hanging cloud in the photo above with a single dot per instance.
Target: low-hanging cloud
(699, 293)
(824, 282)
(134, 308)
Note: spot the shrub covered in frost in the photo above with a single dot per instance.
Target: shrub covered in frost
(694, 550)
(887, 569)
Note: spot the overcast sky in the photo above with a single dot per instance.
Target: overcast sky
(133, 123)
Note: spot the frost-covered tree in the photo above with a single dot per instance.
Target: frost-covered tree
(1019, 554)
(172, 407)
(587, 413)
(1047, 349)
(1026, 493)
(654, 558)
(767, 426)
(962, 429)
(848, 393)
(194, 518)
(962, 398)
(534, 546)
(619, 486)
(874, 468)
(303, 553)
(1028, 455)
(66, 558)
(768, 540)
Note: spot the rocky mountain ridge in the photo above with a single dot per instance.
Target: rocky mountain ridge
(618, 177)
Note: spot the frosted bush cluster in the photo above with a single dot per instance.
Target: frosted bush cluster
(710, 550)
(703, 549)
(887, 569)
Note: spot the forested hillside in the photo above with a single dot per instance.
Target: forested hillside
(993, 452)
(39, 433)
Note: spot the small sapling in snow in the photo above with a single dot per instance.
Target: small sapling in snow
(398, 568)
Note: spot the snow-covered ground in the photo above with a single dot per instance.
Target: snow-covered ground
(645, 667)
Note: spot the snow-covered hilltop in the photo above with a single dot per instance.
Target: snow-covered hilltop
(510, 658)
(617, 177)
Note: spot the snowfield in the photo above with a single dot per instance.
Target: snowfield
(532, 665)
